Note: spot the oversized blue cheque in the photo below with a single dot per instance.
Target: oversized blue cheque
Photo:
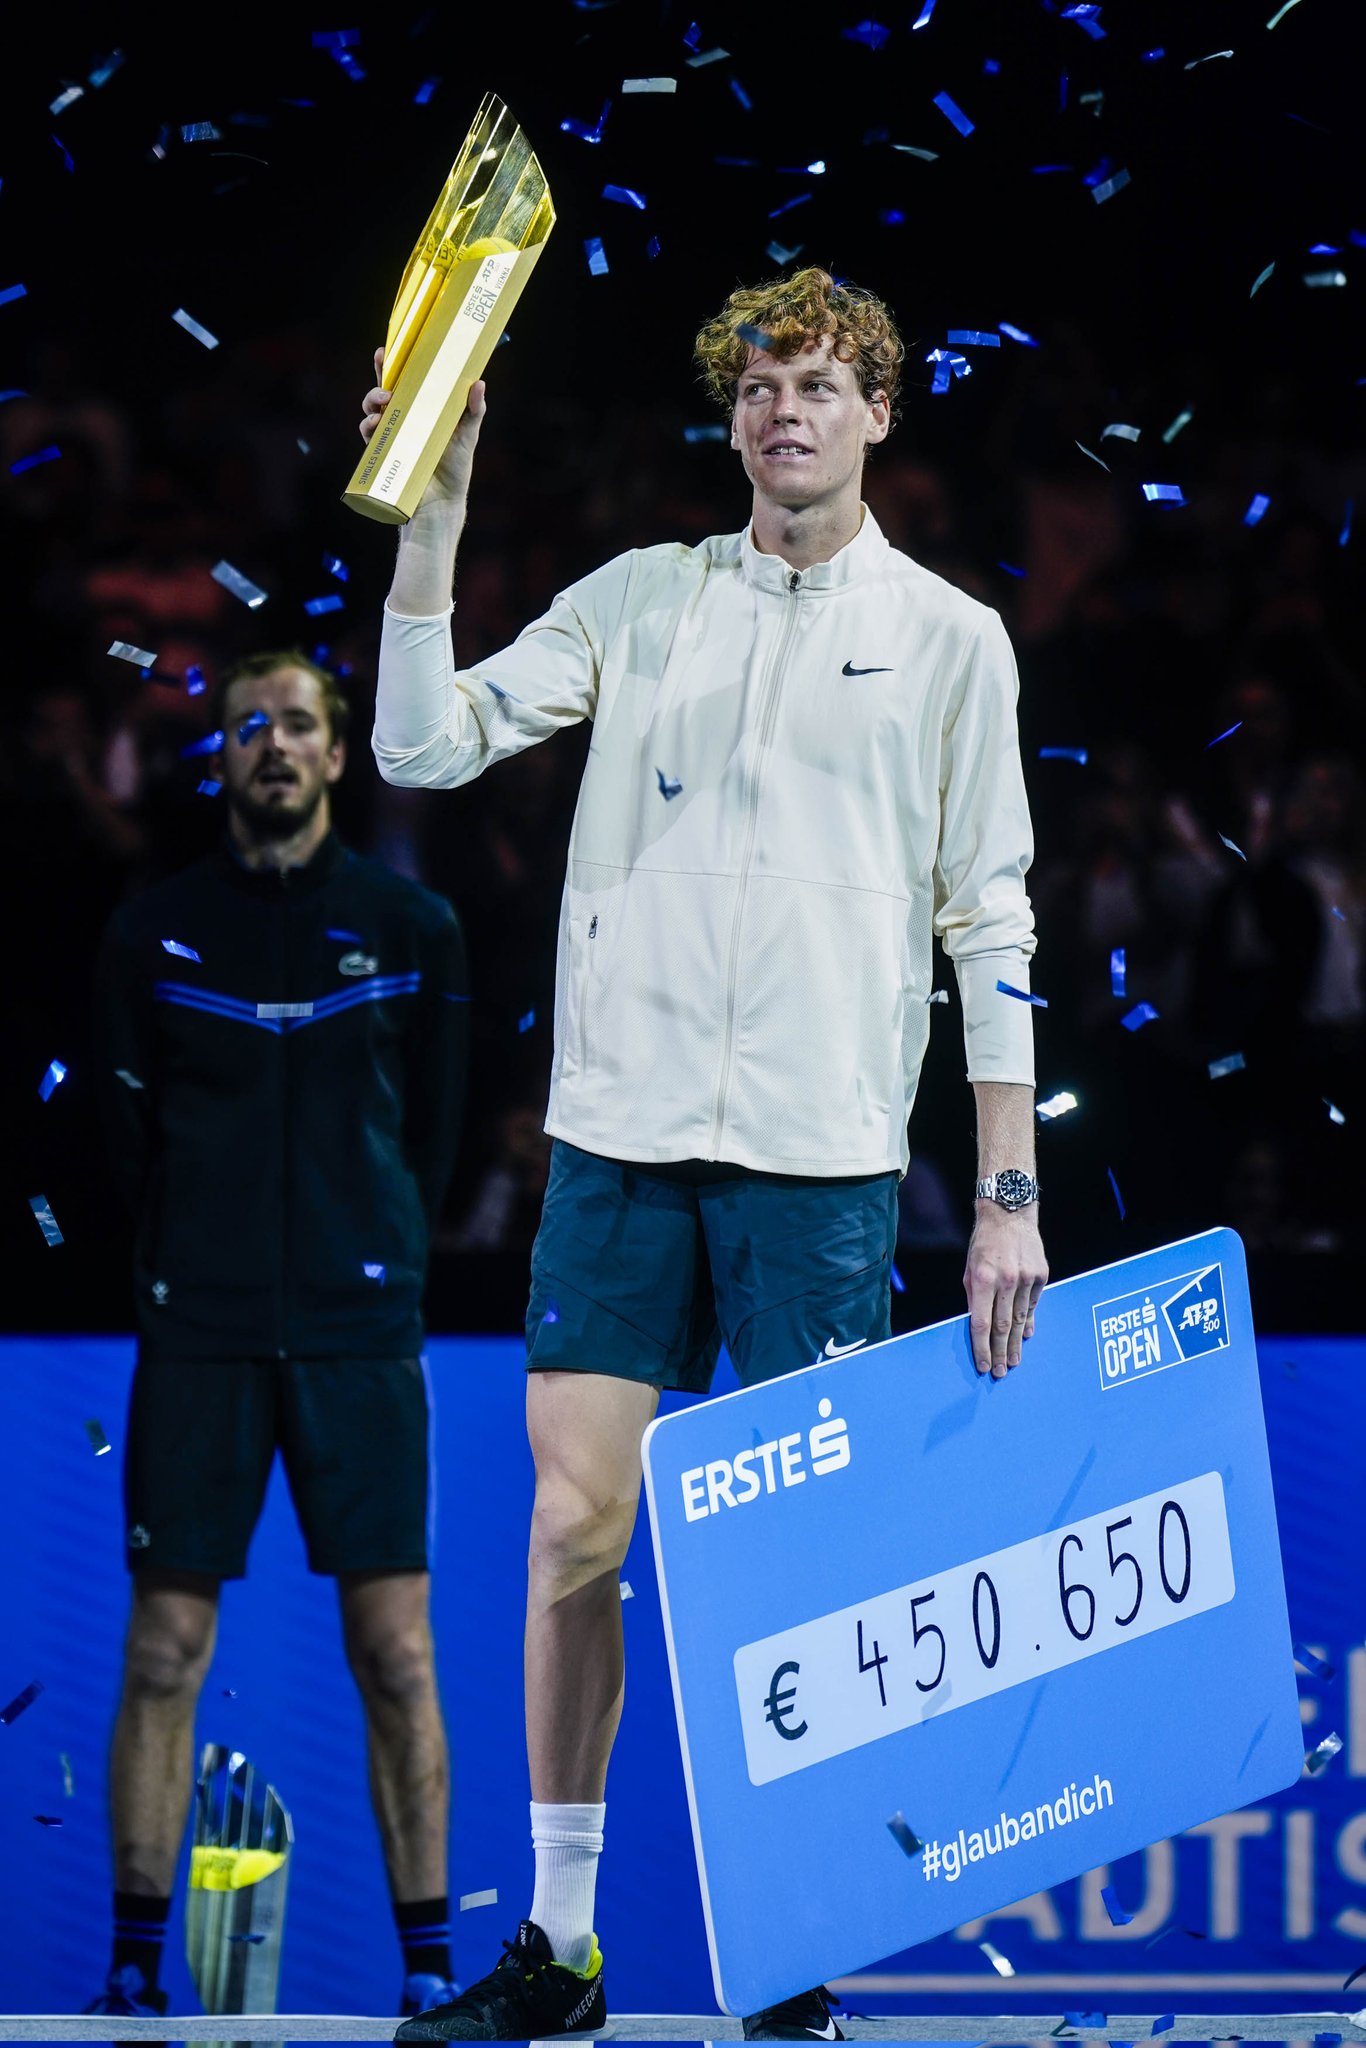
(1040, 1620)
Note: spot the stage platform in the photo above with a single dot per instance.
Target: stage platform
(1129, 2028)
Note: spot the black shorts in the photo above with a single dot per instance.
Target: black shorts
(202, 1438)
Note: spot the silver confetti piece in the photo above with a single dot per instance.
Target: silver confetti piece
(241, 586)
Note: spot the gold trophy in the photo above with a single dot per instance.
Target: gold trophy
(462, 281)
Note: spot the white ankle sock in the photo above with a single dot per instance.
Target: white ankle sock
(568, 1843)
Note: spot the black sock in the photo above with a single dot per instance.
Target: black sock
(424, 1929)
(140, 1933)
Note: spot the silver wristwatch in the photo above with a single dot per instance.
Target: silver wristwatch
(1012, 1188)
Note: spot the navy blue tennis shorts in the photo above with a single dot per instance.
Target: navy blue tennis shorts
(640, 1272)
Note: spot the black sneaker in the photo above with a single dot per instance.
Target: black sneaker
(128, 1995)
(528, 1996)
(803, 2018)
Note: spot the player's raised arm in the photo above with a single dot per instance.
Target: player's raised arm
(437, 725)
(427, 544)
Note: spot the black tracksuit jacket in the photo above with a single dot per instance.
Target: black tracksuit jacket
(283, 1109)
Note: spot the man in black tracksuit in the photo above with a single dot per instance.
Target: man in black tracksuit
(282, 1052)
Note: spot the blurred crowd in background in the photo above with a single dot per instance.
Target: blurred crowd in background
(1231, 870)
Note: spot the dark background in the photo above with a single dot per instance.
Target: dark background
(1142, 630)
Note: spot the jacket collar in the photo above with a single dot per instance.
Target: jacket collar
(271, 882)
(858, 558)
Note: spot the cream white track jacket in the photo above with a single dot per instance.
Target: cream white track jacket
(794, 778)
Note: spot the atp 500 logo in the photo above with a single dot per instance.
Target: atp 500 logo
(734, 1482)
(1140, 1334)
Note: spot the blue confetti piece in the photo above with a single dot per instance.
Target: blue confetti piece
(67, 157)
(692, 35)
(755, 336)
(1084, 2019)
(953, 112)
(623, 195)
(52, 1080)
(1317, 1666)
(332, 602)
(652, 247)
(970, 337)
(342, 938)
(12, 292)
(181, 952)
(1107, 190)
(1163, 2022)
(195, 684)
(1119, 968)
(778, 253)
(1011, 569)
(1141, 1014)
(891, 217)
(1231, 1063)
(1223, 735)
(1164, 494)
(14, 392)
(1256, 511)
(211, 743)
(596, 254)
(335, 566)
(252, 1938)
(1232, 846)
(200, 131)
(27, 462)
(374, 1273)
(552, 1312)
(1078, 754)
(48, 1820)
(872, 33)
(422, 96)
(581, 128)
(668, 790)
(1346, 533)
(898, 1284)
(745, 101)
(193, 326)
(1340, 915)
(709, 432)
(208, 788)
(1153, 56)
(1018, 334)
(47, 1223)
(527, 1022)
(1087, 17)
(788, 204)
(922, 19)
(67, 99)
(20, 1701)
(1022, 995)
(254, 724)
(239, 585)
(1119, 431)
(1114, 1189)
(989, 64)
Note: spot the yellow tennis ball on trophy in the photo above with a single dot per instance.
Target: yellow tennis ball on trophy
(487, 245)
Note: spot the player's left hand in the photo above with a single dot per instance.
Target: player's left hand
(1005, 1275)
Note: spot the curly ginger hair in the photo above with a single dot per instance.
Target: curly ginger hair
(790, 313)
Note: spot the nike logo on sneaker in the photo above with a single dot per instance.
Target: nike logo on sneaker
(850, 670)
(829, 2032)
(834, 1350)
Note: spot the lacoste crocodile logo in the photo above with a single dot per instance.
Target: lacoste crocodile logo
(357, 964)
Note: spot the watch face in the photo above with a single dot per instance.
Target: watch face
(1013, 1188)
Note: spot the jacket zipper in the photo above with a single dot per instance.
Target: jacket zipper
(767, 712)
(583, 993)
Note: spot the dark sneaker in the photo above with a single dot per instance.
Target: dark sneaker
(803, 2018)
(127, 1995)
(528, 1996)
(422, 1989)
